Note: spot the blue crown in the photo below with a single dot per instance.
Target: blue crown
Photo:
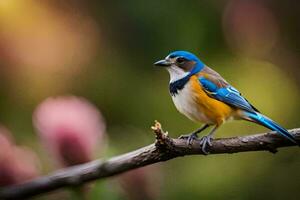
(189, 56)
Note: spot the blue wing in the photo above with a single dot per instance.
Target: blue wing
(217, 88)
(225, 93)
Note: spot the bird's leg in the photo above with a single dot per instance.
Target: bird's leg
(193, 135)
(206, 140)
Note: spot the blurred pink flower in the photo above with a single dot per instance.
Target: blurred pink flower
(142, 183)
(250, 27)
(71, 128)
(17, 164)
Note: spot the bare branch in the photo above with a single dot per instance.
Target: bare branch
(165, 148)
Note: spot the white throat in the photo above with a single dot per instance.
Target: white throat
(176, 73)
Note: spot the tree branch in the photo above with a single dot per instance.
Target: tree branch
(165, 148)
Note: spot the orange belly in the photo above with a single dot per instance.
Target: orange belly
(216, 111)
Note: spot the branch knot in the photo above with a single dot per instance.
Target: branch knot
(162, 138)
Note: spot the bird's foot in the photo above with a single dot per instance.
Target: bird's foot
(189, 138)
(204, 142)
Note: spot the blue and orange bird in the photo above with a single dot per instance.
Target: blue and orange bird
(204, 96)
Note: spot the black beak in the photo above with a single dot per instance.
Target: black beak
(163, 63)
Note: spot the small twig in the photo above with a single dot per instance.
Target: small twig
(162, 139)
(165, 148)
(160, 135)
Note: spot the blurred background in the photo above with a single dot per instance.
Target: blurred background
(94, 60)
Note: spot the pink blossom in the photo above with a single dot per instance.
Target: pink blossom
(250, 27)
(17, 164)
(70, 127)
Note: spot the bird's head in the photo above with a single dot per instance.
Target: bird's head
(180, 64)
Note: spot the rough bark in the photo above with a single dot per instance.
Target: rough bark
(165, 148)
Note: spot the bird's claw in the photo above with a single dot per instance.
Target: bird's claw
(189, 138)
(204, 142)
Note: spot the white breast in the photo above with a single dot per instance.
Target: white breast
(186, 104)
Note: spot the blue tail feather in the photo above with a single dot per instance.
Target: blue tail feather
(268, 123)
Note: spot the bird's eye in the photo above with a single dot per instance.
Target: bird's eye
(180, 60)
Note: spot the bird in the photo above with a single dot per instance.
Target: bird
(204, 96)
